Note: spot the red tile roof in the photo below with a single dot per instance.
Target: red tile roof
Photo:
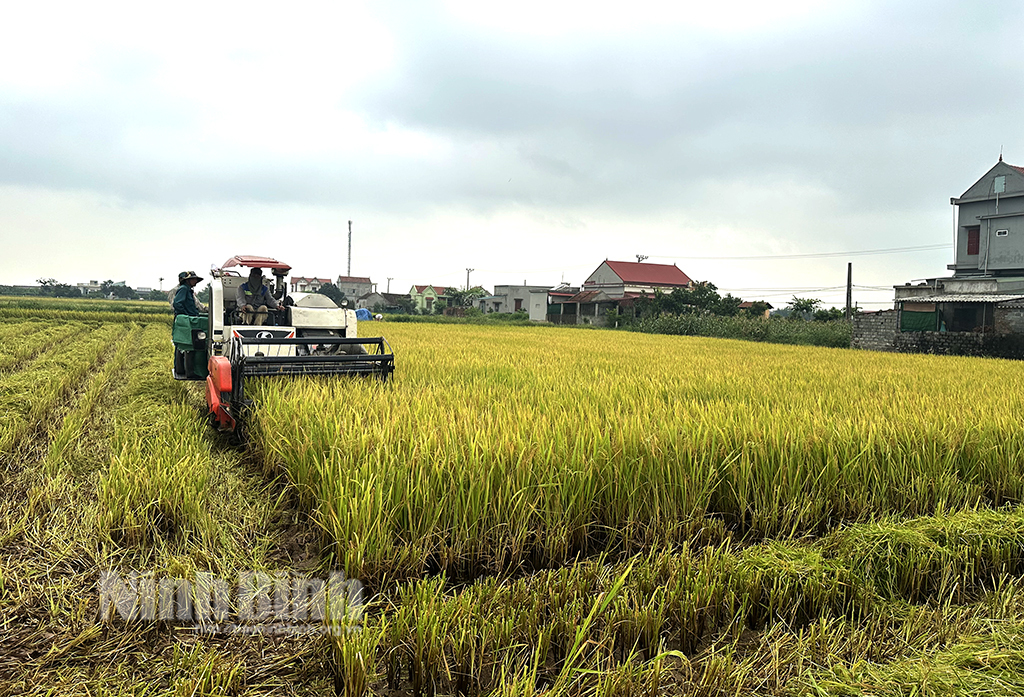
(442, 290)
(1019, 169)
(746, 304)
(649, 274)
(353, 279)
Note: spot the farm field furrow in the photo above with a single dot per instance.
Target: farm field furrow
(28, 397)
(55, 535)
(17, 349)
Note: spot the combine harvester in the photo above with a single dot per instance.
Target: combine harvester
(309, 335)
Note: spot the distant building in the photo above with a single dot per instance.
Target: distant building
(354, 286)
(524, 298)
(90, 287)
(614, 285)
(988, 270)
(979, 310)
(427, 297)
(623, 278)
(301, 284)
(768, 307)
(387, 302)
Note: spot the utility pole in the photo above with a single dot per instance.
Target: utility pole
(389, 285)
(349, 248)
(640, 258)
(467, 277)
(849, 290)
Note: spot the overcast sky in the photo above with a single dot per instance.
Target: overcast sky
(528, 143)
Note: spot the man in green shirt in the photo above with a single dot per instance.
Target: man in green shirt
(185, 302)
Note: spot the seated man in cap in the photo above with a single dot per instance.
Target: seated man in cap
(185, 302)
(253, 298)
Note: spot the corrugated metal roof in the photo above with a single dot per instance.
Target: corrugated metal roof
(649, 274)
(965, 298)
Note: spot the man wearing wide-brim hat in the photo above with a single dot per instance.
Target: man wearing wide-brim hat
(185, 302)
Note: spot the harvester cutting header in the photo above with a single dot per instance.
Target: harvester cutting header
(271, 334)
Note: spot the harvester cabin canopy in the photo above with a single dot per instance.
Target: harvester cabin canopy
(253, 262)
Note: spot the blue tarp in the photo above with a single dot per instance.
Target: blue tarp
(362, 313)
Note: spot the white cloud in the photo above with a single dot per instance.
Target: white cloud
(526, 138)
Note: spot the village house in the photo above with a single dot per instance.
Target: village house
(980, 308)
(383, 302)
(616, 284)
(427, 297)
(354, 286)
(301, 284)
(524, 298)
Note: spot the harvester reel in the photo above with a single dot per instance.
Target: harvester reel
(318, 349)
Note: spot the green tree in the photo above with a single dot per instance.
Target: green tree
(124, 292)
(800, 308)
(757, 309)
(205, 295)
(333, 292)
(407, 305)
(50, 287)
(465, 298)
(829, 315)
(701, 299)
(729, 306)
(63, 290)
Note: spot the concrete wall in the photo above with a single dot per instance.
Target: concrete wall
(1009, 320)
(1004, 252)
(879, 331)
(944, 343)
(370, 301)
(996, 253)
(603, 276)
(353, 289)
(533, 299)
(962, 344)
(875, 331)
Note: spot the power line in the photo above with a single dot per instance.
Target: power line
(816, 255)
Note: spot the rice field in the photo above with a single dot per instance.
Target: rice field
(534, 510)
(499, 449)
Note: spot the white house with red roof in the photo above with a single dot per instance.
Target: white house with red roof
(618, 279)
(614, 284)
(301, 284)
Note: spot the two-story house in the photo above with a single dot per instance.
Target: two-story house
(988, 271)
(354, 286)
(301, 284)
